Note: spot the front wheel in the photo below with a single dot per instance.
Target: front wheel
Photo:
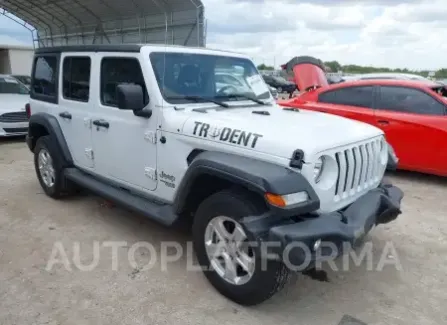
(222, 247)
(279, 89)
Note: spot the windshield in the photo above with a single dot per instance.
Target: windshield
(9, 85)
(208, 76)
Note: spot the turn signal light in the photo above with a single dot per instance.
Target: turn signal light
(275, 200)
(287, 199)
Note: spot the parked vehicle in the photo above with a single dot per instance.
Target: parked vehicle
(237, 82)
(166, 144)
(388, 75)
(411, 113)
(280, 84)
(13, 98)
(26, 80)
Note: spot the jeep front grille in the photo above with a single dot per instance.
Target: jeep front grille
(13, 117)
(358, 168)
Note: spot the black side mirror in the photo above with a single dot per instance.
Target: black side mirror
(131, 97)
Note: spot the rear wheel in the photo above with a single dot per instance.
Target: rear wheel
(222, 247)
(48, 166)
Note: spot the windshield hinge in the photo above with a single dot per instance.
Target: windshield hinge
(150, 136)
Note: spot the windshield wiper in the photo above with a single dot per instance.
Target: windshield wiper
(199, 99)
(258, 101)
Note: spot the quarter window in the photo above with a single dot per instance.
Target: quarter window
(408, 100)
(351, 96)
(115, 71)
(45, 76)
(76, 78)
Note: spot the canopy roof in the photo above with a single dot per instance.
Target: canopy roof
(67, 22)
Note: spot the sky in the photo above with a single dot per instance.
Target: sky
(387, 33)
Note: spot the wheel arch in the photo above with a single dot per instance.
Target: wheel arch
(42, 124)
(210, 172)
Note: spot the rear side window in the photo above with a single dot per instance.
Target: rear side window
(120, 70)
(408, 100)
(351, 96)
(45, 78)
(76, 78)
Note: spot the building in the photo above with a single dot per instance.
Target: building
(16, 59)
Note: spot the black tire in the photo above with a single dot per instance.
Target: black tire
(264, 283)
(279, 89)
(61, 186)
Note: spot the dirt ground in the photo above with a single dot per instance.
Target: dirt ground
(31, 293)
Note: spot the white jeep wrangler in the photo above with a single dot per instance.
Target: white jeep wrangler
(179, 133)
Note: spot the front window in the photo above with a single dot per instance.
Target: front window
(10, 85)
(182, 75)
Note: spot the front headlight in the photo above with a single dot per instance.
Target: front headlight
(318, 169)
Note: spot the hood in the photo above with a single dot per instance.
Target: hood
(277, 131)
(13, 102)
(307, 72)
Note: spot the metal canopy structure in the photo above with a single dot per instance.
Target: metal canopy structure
(70, 22)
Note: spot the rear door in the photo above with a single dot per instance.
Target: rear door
(60, 87)
(414, 124)
(76, 107)
(351, 102)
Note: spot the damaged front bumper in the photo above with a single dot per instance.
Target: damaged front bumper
(304, 240)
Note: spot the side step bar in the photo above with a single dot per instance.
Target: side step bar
(162, 213)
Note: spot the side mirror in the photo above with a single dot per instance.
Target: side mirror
(131, 97)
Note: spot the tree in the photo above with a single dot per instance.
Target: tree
(265, 67)
(333, 65)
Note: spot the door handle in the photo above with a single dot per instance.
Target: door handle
(383, 122)
(101, 123)
(65, 115)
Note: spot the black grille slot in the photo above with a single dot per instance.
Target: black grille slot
(356, 168)
(13, 117)
(15, 130)
(337, 158)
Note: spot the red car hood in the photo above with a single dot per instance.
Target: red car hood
(308, 72)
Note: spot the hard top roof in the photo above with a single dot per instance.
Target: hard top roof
(124, 48)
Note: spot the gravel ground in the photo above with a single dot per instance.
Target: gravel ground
(33, 293)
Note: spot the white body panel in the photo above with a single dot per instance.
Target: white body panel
(124, 153)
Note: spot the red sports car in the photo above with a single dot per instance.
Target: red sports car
(413, 114)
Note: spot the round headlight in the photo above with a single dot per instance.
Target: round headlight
(318, 169)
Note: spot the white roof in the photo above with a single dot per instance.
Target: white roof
(387, 75)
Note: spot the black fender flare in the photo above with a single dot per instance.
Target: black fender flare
(255, 175)
(53, 128)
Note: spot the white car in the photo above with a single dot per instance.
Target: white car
(13, 98)
(148, 127)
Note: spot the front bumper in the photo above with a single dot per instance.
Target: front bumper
(293, 240)
(13, 129)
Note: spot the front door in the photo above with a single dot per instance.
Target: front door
(124, 144)
(76, 107)
(411, 120)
